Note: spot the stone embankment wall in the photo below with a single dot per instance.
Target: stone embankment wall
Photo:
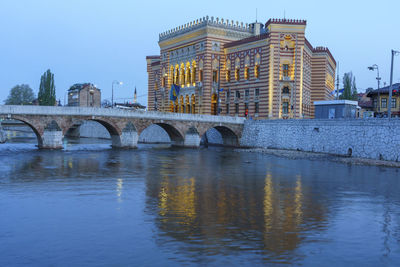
(368, 138)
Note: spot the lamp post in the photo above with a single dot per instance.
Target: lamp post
(112, 91)
(394, 53)
(375, 67)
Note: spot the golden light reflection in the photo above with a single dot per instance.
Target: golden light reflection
(298, 201)
(120, 183)
(178, 197)
(268, 191)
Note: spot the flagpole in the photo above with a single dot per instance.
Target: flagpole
(219, 81)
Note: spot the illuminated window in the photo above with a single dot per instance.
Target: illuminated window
(237, 75)
(201, 75)
(246, 73)
(257, 71)
(228, 75)
(237, 69)
(193, 74)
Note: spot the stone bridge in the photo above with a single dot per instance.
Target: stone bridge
(50, 124)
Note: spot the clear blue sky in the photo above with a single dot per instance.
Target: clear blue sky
(99, 41)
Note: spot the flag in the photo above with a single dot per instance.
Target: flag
(221, 89)
(334, 91)
(173, 95)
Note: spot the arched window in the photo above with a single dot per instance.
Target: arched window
(214, 104)
(215, 68)
(257, 61)
(164, 78)
(187, 102)
(246, 68)
(228, 70)
(193, 80)
(188, 74)
(182, 110)
(182, 75)
(171, 74)
(193, 104)
(201, 70)
(176, 75)
(237, 69)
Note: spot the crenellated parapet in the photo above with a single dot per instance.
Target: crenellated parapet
(286, 21)
(206, 21)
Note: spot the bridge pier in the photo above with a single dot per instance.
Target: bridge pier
(52, 137)
(192, 138)
(128, 138)
(2, 136)
(51, 140)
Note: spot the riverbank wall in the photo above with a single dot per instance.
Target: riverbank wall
(363, 138)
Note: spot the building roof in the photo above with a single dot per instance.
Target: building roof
(385, 90)
(247, 40)
(80, 86)
(335, 102)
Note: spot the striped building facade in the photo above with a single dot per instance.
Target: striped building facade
(236, 69)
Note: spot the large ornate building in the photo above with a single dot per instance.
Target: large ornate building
(257, 70)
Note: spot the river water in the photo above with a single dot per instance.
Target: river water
(90, 205)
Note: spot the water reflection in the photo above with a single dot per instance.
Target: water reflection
(220, 210)
(200, 206)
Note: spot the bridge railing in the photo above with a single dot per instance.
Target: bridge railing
(6, 110)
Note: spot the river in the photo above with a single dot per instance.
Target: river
(90, 205)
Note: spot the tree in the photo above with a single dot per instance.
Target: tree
(47, 90)
(20, 95)
(349, 86)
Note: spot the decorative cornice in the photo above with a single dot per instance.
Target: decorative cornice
(203, 22)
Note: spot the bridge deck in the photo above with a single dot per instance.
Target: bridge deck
(6, 110)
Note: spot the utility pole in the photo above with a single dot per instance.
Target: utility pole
(378, 78)
(391, 84)
(337, 82)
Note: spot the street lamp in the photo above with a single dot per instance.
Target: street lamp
(112, 91)
(375, 67)
(394, 53)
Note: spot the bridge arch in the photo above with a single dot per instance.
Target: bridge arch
(122, 133)
(229, 137)
(175, 135)
(31, 125)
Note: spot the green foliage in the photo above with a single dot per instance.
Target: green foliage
(20, 95)
(349, 86)
(47, 90)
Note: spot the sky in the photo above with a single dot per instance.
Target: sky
(100, 41)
